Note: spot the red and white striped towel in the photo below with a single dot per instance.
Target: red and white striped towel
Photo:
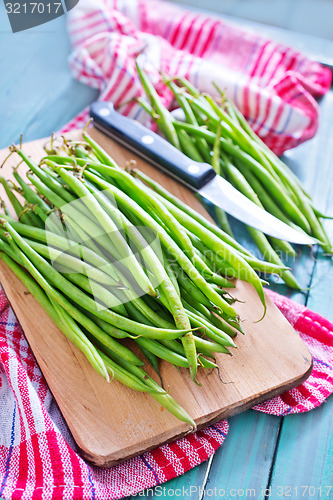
(38, 458)
(273, 85)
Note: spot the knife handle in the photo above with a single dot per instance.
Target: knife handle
(150, 146)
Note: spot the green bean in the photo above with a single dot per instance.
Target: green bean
(130, 204)
(200, 105)
(327, 246)
(190, 117)
(269, 254)
(152, 359)
(163, 398)
(212, 259)
(137, 315)
(187, 284)
(31, 195)
(163, 113)
(155, 318)
(207, 347)
(50, 182)
(70, 209)
(155, 305)
(191, 300)
(67, 245)
(275, 162)
(62, 320)
(220, 324)
(108, 205)
(239, 181)
(201, 320)
(74, 214)
(219, 265)
(68, 160)
(189, 86)
(319, 214)
(268, 203)
(240, 137)
(99, 152)
(102, 296)
(205, 259)
(219, 280)
(206, 363)
(72, 263)
(216, 151)
(176, 347)
(8, 250)
(82, 299)
(266, 200)
(165, 283)
(209, 332)
(115, 298)
(163, 352)
(90, 326)
(266, 267)
(287, 205)
(148, 201)
(212, 241)
(316, 227)
(120, 245)
(222, 220)
(201, 265)
(106, 327)
(188, 147)
(170, 271)
(125, 377)
(283, 246)
(19, 209)
(173, 248)
(38, 205)
(186, 220)
(77, 337)
(84, 241)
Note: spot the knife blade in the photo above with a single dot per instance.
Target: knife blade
(197, 176)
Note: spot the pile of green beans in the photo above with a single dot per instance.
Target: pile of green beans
(79, 243)
(215, 131)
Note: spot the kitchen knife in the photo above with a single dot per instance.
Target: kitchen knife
(197, 176)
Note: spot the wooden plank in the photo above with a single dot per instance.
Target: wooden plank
(228, 468)
(38, 94)
(244, 460)
(306, 440)
(270, 344)
(304, 455)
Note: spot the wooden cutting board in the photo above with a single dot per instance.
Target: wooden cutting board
(110, 422)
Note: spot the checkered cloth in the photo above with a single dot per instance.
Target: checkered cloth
(274, 86)
(38, 458)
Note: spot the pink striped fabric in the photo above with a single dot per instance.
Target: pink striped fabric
(273, 85)
(38, 458)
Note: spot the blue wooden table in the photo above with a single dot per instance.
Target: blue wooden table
(285, 455)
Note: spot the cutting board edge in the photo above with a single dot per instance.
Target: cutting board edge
(214, 416)
(94, 456)
(112, 459)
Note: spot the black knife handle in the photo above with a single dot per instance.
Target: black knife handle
(150, 146)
